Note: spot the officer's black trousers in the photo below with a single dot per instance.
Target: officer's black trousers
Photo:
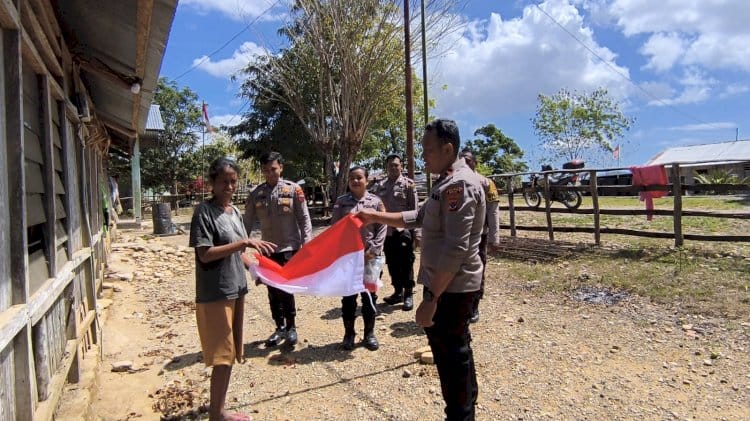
(450, 341)
(399, 257)
(283, 307)
(483, 258)
(349, 306)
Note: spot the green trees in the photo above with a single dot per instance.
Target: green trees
(574, 125)
(341, 77)
(164, 164)
(340, 72)
(496, 152)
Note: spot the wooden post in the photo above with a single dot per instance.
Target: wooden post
(135, 172)
(595, 200)
(23, 357)
(677, 193)
(6, 288)
(49, 174)
(42, 357)
(547, 206)
(511, 206)
(13, 84)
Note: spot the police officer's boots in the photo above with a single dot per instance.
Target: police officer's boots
(408, 300)
(291, 332)
(348, 342)
(370, 341)
(474, 317)
(395, 298)
(277, 336)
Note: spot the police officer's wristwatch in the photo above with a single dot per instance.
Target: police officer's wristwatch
(427, 295)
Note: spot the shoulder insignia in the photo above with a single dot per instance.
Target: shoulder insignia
(454, 196)
(492, 194)
(300, 194)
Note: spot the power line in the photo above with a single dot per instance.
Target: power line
(626, 77)
(239, 113)
(205, 58)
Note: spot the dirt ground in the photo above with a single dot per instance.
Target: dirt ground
(545, 356)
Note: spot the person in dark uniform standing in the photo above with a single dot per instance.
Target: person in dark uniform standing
(399, 193)
(373, 236)
(281, 207)
(491, 225)
(452, 221)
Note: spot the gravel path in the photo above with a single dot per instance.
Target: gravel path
(538, 356)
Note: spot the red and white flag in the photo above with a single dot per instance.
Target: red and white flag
(331, 265)
(209, 128)
(616, 153)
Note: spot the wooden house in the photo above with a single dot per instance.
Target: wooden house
(76, 79)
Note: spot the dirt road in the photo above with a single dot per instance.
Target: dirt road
(538, 356)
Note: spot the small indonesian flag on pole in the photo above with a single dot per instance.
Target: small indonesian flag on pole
(331, 265)
(209, 128)
(616, 153)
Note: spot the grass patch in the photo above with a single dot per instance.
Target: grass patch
(700, 279)
(711, 278)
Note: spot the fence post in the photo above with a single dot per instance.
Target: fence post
(595, 200)
(547, 206)
(677, 193)
(511, 206)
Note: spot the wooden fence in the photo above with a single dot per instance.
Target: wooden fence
(508, 186)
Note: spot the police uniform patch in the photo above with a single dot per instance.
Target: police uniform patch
(492, 194)
(454, 196)
(300, 194)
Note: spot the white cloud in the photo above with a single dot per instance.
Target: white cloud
(226, 120)
(239, 10)
(499, 67)
(696, 87)
(714, 31)
(230, 66)
(664, 49)
(734, 89)
(705, 126)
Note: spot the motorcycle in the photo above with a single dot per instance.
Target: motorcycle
(571, 199)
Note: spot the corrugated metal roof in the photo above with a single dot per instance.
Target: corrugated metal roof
(154, 121)
(118, 44)
(735, 151)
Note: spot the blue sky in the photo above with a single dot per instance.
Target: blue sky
(679, 67)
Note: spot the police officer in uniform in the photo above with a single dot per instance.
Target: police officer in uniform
(281, 207)
(491, 224)
(399, 193)
(373, 237)
(452, 221)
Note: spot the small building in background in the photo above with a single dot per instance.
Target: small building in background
(708, 158)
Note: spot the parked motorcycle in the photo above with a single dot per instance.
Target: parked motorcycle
(571, 199)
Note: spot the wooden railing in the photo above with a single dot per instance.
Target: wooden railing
(508, 184)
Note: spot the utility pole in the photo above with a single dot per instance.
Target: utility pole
(409, 106)
(425, 104)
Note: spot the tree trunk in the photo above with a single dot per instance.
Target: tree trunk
(345, 161)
